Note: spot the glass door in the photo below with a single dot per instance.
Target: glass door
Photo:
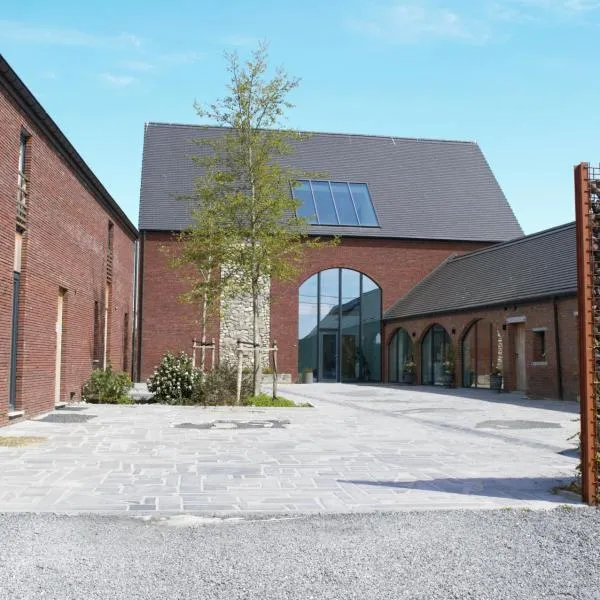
(329, 354)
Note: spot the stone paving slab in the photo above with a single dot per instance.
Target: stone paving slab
(362, 448)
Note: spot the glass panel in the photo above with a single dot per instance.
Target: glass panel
(370, 351)
(324, 202)
(469, 358)
(345, 206)
(405, 357)
(307, 209)
(364, 207)
(440, 346)
(307, 326)
(393, 359)
(330, 311)
(350, 311)
(426, 363)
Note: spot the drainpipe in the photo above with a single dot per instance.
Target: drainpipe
(557, 344)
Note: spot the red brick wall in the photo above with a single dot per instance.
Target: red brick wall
(542, 379)
(64, 246)
(396, 265)
(167, 324)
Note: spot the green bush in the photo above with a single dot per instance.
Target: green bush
(173, 380)
(106, 386)
(219, 386)
(266, 400)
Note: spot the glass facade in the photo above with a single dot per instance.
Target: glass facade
(339, 326)
(400, 353)
(335, 203)
(434, 352)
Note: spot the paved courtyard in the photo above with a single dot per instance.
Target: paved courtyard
(361, 448)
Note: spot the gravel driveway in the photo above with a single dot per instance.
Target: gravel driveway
(442, 555)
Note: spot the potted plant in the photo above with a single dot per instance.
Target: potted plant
(307, 375)
(496, 379)
(408, 371)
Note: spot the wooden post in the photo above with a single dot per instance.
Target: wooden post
(240, 353)
(194, 353)
(212, 356)
(274, 369)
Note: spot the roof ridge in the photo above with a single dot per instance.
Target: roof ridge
(393, 138)
(515, 241)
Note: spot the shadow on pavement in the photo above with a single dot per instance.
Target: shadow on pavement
(516, 488)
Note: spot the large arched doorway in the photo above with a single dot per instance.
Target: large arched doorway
(481, 354)
(339, 326)
(435, 351)
(400, 358)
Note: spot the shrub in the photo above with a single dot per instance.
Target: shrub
(266, 400)
(173, 380)
(106, 386)
(219, 386)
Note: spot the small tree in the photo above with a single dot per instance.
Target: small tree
(245, 218)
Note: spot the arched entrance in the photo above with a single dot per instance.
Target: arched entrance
(400, 358)
(481, 354)
(435, 350)
(339, 326)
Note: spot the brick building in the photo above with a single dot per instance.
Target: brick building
(66, 262)
(510, 308)
(399, 206)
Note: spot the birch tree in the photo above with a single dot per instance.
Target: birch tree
(245, 218)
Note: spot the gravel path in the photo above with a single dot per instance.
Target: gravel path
(506, 554)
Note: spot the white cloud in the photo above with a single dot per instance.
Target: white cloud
(136, 65)
(37, 34)
(414, 22)
(118, 80)
(181, 58)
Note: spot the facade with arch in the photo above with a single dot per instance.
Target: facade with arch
(509, 317)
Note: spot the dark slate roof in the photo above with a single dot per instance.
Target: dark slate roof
(427, 189)
(21, 95)
(540, 265)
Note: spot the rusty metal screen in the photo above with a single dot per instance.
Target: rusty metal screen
(587, 211)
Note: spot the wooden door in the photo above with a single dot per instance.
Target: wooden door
(520, 363)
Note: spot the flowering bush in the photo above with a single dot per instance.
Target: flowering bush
(173, 380)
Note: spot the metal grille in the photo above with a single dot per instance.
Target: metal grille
(109, 266)
(22, 203)
(594, 198)
(587, 211)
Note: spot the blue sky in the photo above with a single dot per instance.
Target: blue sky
(517, 76)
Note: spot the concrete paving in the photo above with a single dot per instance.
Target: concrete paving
(361, 448)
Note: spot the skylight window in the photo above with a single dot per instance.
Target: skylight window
(335, 203)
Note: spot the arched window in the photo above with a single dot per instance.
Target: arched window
(401, 364)
(481, 354)
(435, 349)
(339, 326)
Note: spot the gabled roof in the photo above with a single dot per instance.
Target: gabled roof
(540, 265)
(425, 189)
(27, 102)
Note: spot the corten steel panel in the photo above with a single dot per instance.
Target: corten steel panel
(587, 366)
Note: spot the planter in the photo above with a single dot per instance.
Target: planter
(495, 382)
(307, 377)
(408, 377)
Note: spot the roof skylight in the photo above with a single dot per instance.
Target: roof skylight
(335, 203)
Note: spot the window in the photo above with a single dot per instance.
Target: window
(539, 345)
(335, 203)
